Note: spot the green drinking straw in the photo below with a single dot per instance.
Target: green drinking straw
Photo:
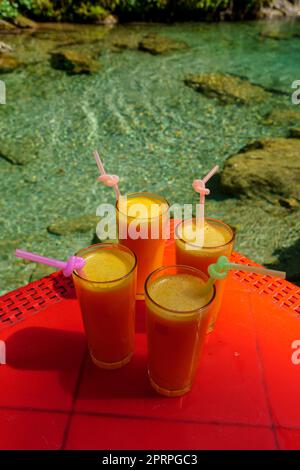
(219, 270)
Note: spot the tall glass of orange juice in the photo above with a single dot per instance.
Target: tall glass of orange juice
(141, 219)
(218, 240)
(178, 313)
(106, 288)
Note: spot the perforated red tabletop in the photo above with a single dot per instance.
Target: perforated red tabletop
(246, 395)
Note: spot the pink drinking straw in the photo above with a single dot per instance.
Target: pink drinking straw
(73, 262)
(108, 180)
(199, 187)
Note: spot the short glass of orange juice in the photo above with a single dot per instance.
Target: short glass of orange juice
(178, 312)
(218, 240)
(142, 219)
(106, 288)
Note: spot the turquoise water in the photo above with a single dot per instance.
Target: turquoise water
(151, 129)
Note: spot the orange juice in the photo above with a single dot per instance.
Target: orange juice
(141, 219)
(105, 289)
(178, 313)
(218, 240)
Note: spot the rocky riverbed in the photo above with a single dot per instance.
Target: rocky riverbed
(163, 104)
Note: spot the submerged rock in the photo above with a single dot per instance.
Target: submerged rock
(295, 133)
(282, 117)
(74, 62)
(17, 152)
(269, 169)
(82, 224)
(82, 41)
(273, 34)
(8, 63)
(156, 44)
(288, 202)
(125, 42)
(227, 88)
(152, 43)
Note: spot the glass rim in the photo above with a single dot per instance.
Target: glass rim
(204, 247)
(131, 195)
(108, 245)
(186, 268)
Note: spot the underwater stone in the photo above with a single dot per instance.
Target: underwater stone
(125, 42)
(8, 63)
(18, 153)
(70, 33)
(152, 43)
(74, 62)
(156, 44)
(277, 35)
(288, 202)
(67, 226)
(282, 117)
(295, 133)
(226, 88)
(268, 169)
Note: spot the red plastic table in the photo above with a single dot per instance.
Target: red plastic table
(246, 395)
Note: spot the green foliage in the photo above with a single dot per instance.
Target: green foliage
(45, 9)
(11, 8)
(181, 9)
(91, 10)
(8, 9)
(86, 11)
(214, 5)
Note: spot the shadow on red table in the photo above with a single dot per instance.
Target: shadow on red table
(128, 383)
(38, 348)
(44, 349)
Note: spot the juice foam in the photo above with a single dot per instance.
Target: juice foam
(214, 236)
(106, 265)
(180, 292)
